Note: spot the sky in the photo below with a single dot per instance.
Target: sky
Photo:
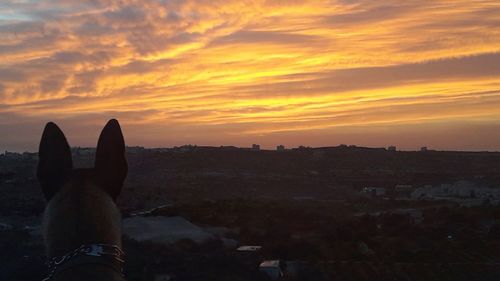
(210, 72)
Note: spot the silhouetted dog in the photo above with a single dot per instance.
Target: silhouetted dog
(82, 225)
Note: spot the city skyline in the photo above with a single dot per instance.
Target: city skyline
(277, 147)
(312, 73)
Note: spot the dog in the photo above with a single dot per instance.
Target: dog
(81, 222)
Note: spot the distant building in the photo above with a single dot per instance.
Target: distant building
(272, 269)
(157, 149)
(30, 155)
(184, 148)
(249, 248)
(228, 147)
(459, 190)
(134, 149)
(302, 148)
(403, 190)
(12, 155)
(255, 147)
(83, 151)
(423, 148)
(373, 191)
(391, 148)
(280, 147)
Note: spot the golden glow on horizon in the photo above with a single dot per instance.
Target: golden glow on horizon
(232, 71)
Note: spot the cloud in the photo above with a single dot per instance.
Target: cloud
(235, 71)
(252, 37)
(363, 14)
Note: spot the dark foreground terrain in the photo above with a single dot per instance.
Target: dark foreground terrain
(341, 213)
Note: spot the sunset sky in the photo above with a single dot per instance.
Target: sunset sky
(315, 73)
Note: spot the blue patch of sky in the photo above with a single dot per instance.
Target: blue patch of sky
(15, 10)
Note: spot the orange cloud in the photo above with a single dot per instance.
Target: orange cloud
(238, 72)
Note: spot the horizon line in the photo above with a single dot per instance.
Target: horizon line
(390, 148)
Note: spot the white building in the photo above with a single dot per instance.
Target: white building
(271, 268)
(458, 190)
(249, 248)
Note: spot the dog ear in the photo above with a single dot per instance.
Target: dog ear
(110, 163)
(54, 161)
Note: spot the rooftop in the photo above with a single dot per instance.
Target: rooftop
(270, 263)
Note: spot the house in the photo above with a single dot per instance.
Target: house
(249, 248)
(271, 268)
(373, 191)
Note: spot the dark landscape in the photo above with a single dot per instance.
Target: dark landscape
(332, 213)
